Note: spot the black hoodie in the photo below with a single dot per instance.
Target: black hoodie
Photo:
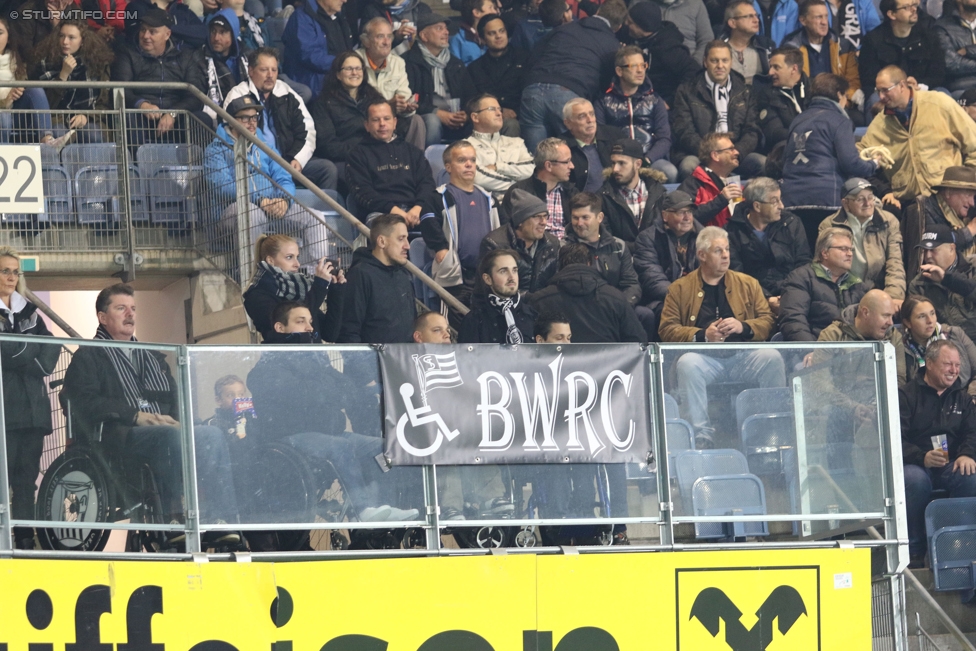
(378, 306)
(382, 175)
(597, 312)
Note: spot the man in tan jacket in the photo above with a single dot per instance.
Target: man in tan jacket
(713, 304)
(925, 131)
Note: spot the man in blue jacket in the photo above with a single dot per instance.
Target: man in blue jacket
(574, 60)
(269, 187)
(316, 32)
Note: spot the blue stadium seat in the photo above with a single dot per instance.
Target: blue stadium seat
(96, 190)
(172, 177)
(671, 187)
(435, 156)
(332, 218)
(950, 527)
(692, 465)
(762, 401)
(420, 256)
(733, 495)
(57, 195)
(76, 156)
(670, 407)
(50, 155)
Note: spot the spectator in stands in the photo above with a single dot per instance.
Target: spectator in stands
(716, 100)
(707, 186)
(670, 64)
(714, 304)
(870, 320)
(553, 328)
(935, 402)
(249, 32)
(223, 64)
(74, 53)
(632, 193)
(876, 238)
(402, 16)
(527, 22)
(814, 295)
(339, 112)
(378, 307)
(922, 328)
(501, 70)
(27, 407)
(589, 144)
(599, 312)
(440, 79)
(387, 73)
(787, 96)
(431, 328)
(130, 397)
(386, 174)
(904, 42)
(526, 235)
(575, 60)
(550, 183)
(468, 45)
(968, 102)
(234, 420)
(316, 32)
(288, 125)
(823, 51)
(499, 313)
(750, 49)
(188, 31)
(925, 132)
(156, 59)
(946, 279)
(820, 152)
(765, 241)
(278, 277)
(778, 17)
(464, 215)
(502, 160)
(301, 397)
(691, 19)
(666, 251)
(267, 204)
(632, 106)
(949, 206)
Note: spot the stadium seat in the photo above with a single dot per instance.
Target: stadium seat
(172, 177)
(435, 156)
(670, 407)
(762, 401)
(76, 156)
(308, 199)
(57, 195)
(671, 187)
(692, 465)
(950, 527)
(423, 260)
(733, 495)
(96, 190)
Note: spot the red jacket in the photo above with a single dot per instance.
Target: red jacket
(711, 209)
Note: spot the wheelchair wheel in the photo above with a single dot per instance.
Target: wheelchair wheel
(77, 487)
(147, 510)
(284, 489)
(483, 537)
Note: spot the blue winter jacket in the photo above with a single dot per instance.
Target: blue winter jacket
(306, 57)
(643, 115)
(786, 18)
(464, 48)
(820, 155)
(218, 165)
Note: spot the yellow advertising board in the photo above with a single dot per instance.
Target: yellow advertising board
(690, 601)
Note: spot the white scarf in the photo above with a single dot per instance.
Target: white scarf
(720, 96)
(7, 65)
(513, 335)
(437, 65)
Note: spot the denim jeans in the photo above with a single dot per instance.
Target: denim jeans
(541, 114)
(27, 127)
(696, 371)
(919, 484)
(437, 132)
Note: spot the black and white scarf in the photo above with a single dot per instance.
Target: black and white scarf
(255, 27)
(288, 286)
(513, 335)
(137, 384)
(720, 95)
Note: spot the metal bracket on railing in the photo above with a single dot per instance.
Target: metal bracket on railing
(666, 506)
(128, 262)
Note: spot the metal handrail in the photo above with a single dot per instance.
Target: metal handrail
(442, 293)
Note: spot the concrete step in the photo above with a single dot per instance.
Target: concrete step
(963, 615)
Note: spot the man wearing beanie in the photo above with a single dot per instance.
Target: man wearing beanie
(669, 62)
(526, 234)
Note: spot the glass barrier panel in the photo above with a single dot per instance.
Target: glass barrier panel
(291, 435)
(100, 423)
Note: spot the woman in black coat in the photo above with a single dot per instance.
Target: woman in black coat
(26, 406)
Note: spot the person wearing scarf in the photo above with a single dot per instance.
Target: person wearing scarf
(922, 328)
(129, 394)
(499, 314)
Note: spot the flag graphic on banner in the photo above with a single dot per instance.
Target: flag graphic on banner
(436, 372)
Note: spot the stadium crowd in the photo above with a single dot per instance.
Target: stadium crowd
(563, 122)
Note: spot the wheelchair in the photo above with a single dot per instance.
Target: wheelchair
(89, 482)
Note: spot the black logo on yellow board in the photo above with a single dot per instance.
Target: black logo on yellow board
(748, 609)
(784, 605)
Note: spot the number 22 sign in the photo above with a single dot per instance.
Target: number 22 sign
(21, 182)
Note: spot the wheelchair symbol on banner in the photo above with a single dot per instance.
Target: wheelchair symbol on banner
(433, 372)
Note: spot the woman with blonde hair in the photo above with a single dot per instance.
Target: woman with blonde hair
(278, 278)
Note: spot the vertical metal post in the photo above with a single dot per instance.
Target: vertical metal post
(6, 529)
(244, 244)
(185, 392)
(899, 613)
(892, 469)
(433, 508)
(659, 430)
(129, 271)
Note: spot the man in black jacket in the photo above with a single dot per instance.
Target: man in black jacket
(500, 70)
(716, 99)
(499, 313)
(440, 79)
(222, 62)
(670, 63)
(550, 183)
(666, 251)
(766, 241)
(947, 279)
(526, 234)
(157, 59)
(632, 193)
(589, 142)
(573, 60)
(598, 313)
(387, 174)
(378, 306)
(783, 98)
(931, 404)
(814, 295)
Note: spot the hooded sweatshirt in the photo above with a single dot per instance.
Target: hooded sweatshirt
(378, 306)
